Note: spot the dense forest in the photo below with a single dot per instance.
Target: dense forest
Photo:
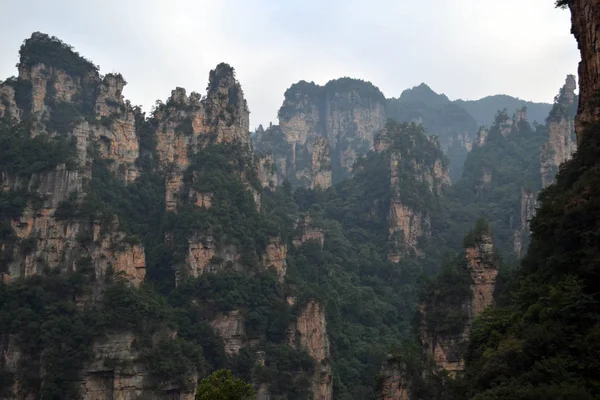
(153, 255)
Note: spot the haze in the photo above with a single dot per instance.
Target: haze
(464, 48)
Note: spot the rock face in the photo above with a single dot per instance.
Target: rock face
(232, 329)
(275, 256)
(306, 231)
(408, 223)
(187, 124)
(447, 350)
(77, 103)
(395, 384)
(585, 16)
(528, 205)
(116, 372)
(206, 255)
(70, 244)
(562, 142)
(310, 333)
(322, 130)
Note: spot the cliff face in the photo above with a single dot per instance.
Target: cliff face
(584, 22)
(562, 142)
(310, 334)
(116, 372)
(528, 205)
(395, 384)
(322, 130)
(187, 124)
(275, 256)
(408, 221)
(46, 241)
(446, 349)
(231, 327)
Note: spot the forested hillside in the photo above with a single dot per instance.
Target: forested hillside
(141, 252)
(536, 338)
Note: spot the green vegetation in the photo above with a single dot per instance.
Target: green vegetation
(23, 155)
(484, 110)
(51, 51)
(541, 342)
(510, 169)
(449, 122)
(221, 385)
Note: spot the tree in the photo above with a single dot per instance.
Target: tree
(221, 385)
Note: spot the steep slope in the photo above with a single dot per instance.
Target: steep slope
(555, 304)
(105, 211)
(540, 339)
(510, 163)
(454, 127)
(483, 110)
(322, 130)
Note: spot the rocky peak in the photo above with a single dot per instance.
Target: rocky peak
(562, 141)
(339, 118)
(424, 94)
(482, 135)
(482, 265)
(110, 95)
(520, 116)
(446, 346)
(186, 124)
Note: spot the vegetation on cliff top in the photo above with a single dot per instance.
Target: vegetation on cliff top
(52, 52)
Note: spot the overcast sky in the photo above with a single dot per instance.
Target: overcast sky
(464, 48)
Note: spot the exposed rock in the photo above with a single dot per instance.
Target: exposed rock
(307, 232)
(67, 243)
(321, 164)
(528, 207)
(481, 137)
(275, 256)
(395, 382)
(8, 105)
(562, 142)
(200, 199)
(405, 228)
(520, 116)
(319, 124)
(187, 124)
(447, 350)
(506, 127)
(117, 372)
(232, 329)
(205, 255)
(310, 333)
(483, 268)
(267, 173)
(585, 16)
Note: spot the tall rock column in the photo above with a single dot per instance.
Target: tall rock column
(188, 124)
(446, 349)
(561, 142)
(310, 333)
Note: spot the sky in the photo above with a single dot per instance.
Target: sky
(464, 48)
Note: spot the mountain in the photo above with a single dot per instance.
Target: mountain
(454, 126)
(141, 252)
(322, 130)
(483, 110)
(536, 337)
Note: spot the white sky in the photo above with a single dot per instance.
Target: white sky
(463, 48)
